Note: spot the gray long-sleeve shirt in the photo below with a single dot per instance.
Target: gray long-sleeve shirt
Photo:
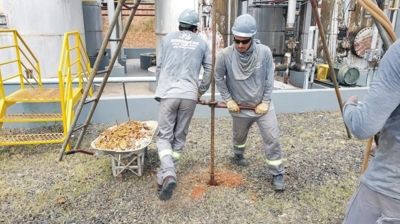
(251, 91)
(182, 55)
(380, 110)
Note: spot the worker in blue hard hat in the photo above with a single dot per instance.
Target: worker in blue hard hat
(245, 76)
(182, 55)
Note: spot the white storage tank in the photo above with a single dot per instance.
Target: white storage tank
(42, 24)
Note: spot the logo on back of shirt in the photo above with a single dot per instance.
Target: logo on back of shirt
(185, 36)
(184, 42)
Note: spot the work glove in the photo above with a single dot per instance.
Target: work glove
(262, 108)
(232, 106)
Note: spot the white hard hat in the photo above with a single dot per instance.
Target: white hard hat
(189, 16)
(244, 26)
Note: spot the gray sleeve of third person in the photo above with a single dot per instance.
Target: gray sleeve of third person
(368, 117)
(207, 66)
(269, 82)
(220, 77)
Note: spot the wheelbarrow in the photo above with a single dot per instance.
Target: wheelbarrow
(131, 158)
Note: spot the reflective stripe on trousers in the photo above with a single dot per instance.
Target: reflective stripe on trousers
(268, 126)
(173, 123)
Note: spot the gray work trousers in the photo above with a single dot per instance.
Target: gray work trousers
(268, 125)
(370, 207)
(173, 124)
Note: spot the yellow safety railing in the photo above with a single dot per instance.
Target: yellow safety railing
(24, 61)
(74, 69)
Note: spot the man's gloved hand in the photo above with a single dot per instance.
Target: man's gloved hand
(232, 106)
(262, 108)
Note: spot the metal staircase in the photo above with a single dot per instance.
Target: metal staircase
(24, 66)
(92, 102)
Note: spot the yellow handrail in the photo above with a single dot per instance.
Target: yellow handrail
(73, 66)
(25, 53)
(2, 92)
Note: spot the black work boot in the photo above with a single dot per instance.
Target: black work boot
(278, 182)
(239, 160)
(168, 186)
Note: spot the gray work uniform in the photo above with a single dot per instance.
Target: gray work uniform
(178, 69)
(379, 111)
(251, 90)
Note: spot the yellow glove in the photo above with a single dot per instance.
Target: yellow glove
(262, 108)
(232, 106)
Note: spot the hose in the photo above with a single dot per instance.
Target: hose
(379, 16)
(372, 5)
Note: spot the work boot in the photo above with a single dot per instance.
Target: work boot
(278, 182)
(166, 189)
(239, 160)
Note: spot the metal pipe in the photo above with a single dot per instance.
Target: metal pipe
(126, 101)
(367, 151)
(219, 104)
(212, 181)
(328, 58)
(95, 80)
(291, 15)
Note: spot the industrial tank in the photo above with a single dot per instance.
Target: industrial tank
(93, 29)
(42, 25)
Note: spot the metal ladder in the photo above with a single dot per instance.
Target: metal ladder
(94, 101)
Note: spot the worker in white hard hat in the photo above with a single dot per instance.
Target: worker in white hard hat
(182, 55)
(245, 77)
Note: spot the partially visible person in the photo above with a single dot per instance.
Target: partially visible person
(377, 199)
(183, 53)
(245, 76)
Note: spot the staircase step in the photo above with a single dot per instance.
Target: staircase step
(31, 117)
(35, 95)
(29, 139)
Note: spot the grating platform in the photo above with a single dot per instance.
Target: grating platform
(35, 95)
(31, 117)
(23, 139)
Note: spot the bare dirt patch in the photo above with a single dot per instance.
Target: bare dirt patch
(198, 183)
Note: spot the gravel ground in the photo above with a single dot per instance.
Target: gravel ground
(322, 169)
